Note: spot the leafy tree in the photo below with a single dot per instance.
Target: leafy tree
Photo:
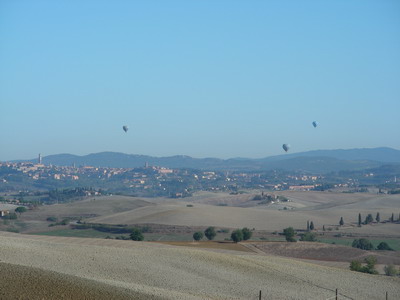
(210, 233)
(20, 209)
(384, 246)
(289, 234)
(197, 236)
(309, 237)
(136, 235)
(341, 222)
(368, 219)
(311, 225)
(363, 244)
(355, 265)
(378, 217)
(237, 235)
(246, 233)
(390, 270)
(359, 220)
(370, 267)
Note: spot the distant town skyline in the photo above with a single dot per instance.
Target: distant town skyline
(219, 79)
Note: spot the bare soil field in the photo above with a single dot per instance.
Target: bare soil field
(211, 245)
(201, 211)
(96, 206)
(223, 198)
(157, 271)
(22, 282)
(35, 220)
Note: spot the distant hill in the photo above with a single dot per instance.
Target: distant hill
(318, 161)
(382, 154)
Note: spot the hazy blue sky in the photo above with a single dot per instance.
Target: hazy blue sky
(200, 78)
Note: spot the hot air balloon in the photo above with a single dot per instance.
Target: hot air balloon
(125, 128)
(286, 147)
(315, 124)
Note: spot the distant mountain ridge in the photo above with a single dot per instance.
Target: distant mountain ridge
(319, 161)
(382, 154)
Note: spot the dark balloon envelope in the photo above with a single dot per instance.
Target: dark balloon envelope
(286, 147)
(315, 124)
(125, 128)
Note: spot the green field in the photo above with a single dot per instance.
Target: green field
(84, 233)
(393, 243)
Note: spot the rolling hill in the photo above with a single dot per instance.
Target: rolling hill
(68, 268)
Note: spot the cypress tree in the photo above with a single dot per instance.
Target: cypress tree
(378, 217)
(341, 222)
(311, 225)
(359, 220)
(308, 225)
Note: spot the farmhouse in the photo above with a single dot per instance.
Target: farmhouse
(4, 213)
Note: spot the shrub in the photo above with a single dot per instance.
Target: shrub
(64, 222)
(51, 219)
(355, 265)
(309, 237)
(384, 246)
(210, 233)
(368, 268)
(197, 236)
(20, 209)
(363, 244)
(136, 235)
(246, 233)
(289, 234)
(237, 235)
(390, 270)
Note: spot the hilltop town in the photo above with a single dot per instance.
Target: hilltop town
(152, 181)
